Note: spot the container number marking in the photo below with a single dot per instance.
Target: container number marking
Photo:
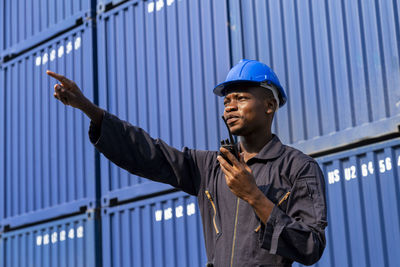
(179, 211)
(367, 168)
(55, 237)
(350, 173)
(62, 235)
(333, 176)
(385, 165)
(158, 5)
(44, 59)
(52, 55)
(168, 214)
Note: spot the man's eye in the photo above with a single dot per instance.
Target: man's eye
(242, 98)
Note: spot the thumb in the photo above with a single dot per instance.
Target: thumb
(244, 163)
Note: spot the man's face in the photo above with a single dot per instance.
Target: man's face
(246, 110)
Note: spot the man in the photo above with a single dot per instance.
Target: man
(266, 208)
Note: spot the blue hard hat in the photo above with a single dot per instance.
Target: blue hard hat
(253, 72)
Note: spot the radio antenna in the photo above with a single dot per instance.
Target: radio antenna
(229, 131)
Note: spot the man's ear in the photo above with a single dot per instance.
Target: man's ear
(270, 105)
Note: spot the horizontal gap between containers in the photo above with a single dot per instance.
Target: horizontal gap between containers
(79, 22)
(365, 142)
(114, 201)
(102, 8)
(83, 210)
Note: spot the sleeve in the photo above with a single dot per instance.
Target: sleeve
(132, 149)
(298, 233)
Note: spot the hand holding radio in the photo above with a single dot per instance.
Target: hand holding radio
(230, 145)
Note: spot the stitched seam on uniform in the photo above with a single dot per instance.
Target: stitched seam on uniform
(275, 237)
(313, 204)
(234, 231)
(215, 211)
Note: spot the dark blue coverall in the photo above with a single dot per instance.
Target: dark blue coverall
(234, 235)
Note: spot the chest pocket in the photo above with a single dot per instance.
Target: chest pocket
(307, 202)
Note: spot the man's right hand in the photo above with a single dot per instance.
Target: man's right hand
(68, 92)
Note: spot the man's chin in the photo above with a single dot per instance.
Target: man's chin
(236, 130)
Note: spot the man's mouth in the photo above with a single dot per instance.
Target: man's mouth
(231, 119)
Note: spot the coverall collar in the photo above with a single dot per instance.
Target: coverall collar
(273, 149)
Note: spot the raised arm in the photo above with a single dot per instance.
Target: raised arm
(131, 148)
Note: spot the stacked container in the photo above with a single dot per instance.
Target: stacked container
(66, 242)
(158, 63)
(160, 231)
(363, 189)
(25, 24)
(48, 183)
(48, 160)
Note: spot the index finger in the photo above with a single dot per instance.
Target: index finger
(59, 77)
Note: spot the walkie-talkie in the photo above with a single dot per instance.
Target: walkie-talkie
(229, 144)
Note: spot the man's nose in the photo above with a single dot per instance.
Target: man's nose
(231, 107)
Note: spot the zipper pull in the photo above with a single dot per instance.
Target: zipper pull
(284, 198)
(209, 195)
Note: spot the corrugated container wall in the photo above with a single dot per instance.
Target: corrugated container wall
(158, 65)
(67, 242)
(363, 189)
(338, 61)
(24, 24)
(47, 164)
(161, 231)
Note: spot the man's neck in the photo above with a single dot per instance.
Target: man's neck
(253, 143)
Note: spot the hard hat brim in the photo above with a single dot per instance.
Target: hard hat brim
(220, 89)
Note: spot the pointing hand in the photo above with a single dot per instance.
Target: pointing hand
(67, 92)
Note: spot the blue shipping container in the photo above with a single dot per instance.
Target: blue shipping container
(24, 24)
(67, 242)
(158, 65)
(363, 189)
(338, 61)
(161, 231)
(47, 162)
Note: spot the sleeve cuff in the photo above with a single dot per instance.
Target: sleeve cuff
(95, 131)
(269, 236)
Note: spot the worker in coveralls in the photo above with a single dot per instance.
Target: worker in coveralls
(265, 206)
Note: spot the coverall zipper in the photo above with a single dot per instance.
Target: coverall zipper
(215, 211)
(234, 231)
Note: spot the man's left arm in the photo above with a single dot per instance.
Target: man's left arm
(298, 232)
